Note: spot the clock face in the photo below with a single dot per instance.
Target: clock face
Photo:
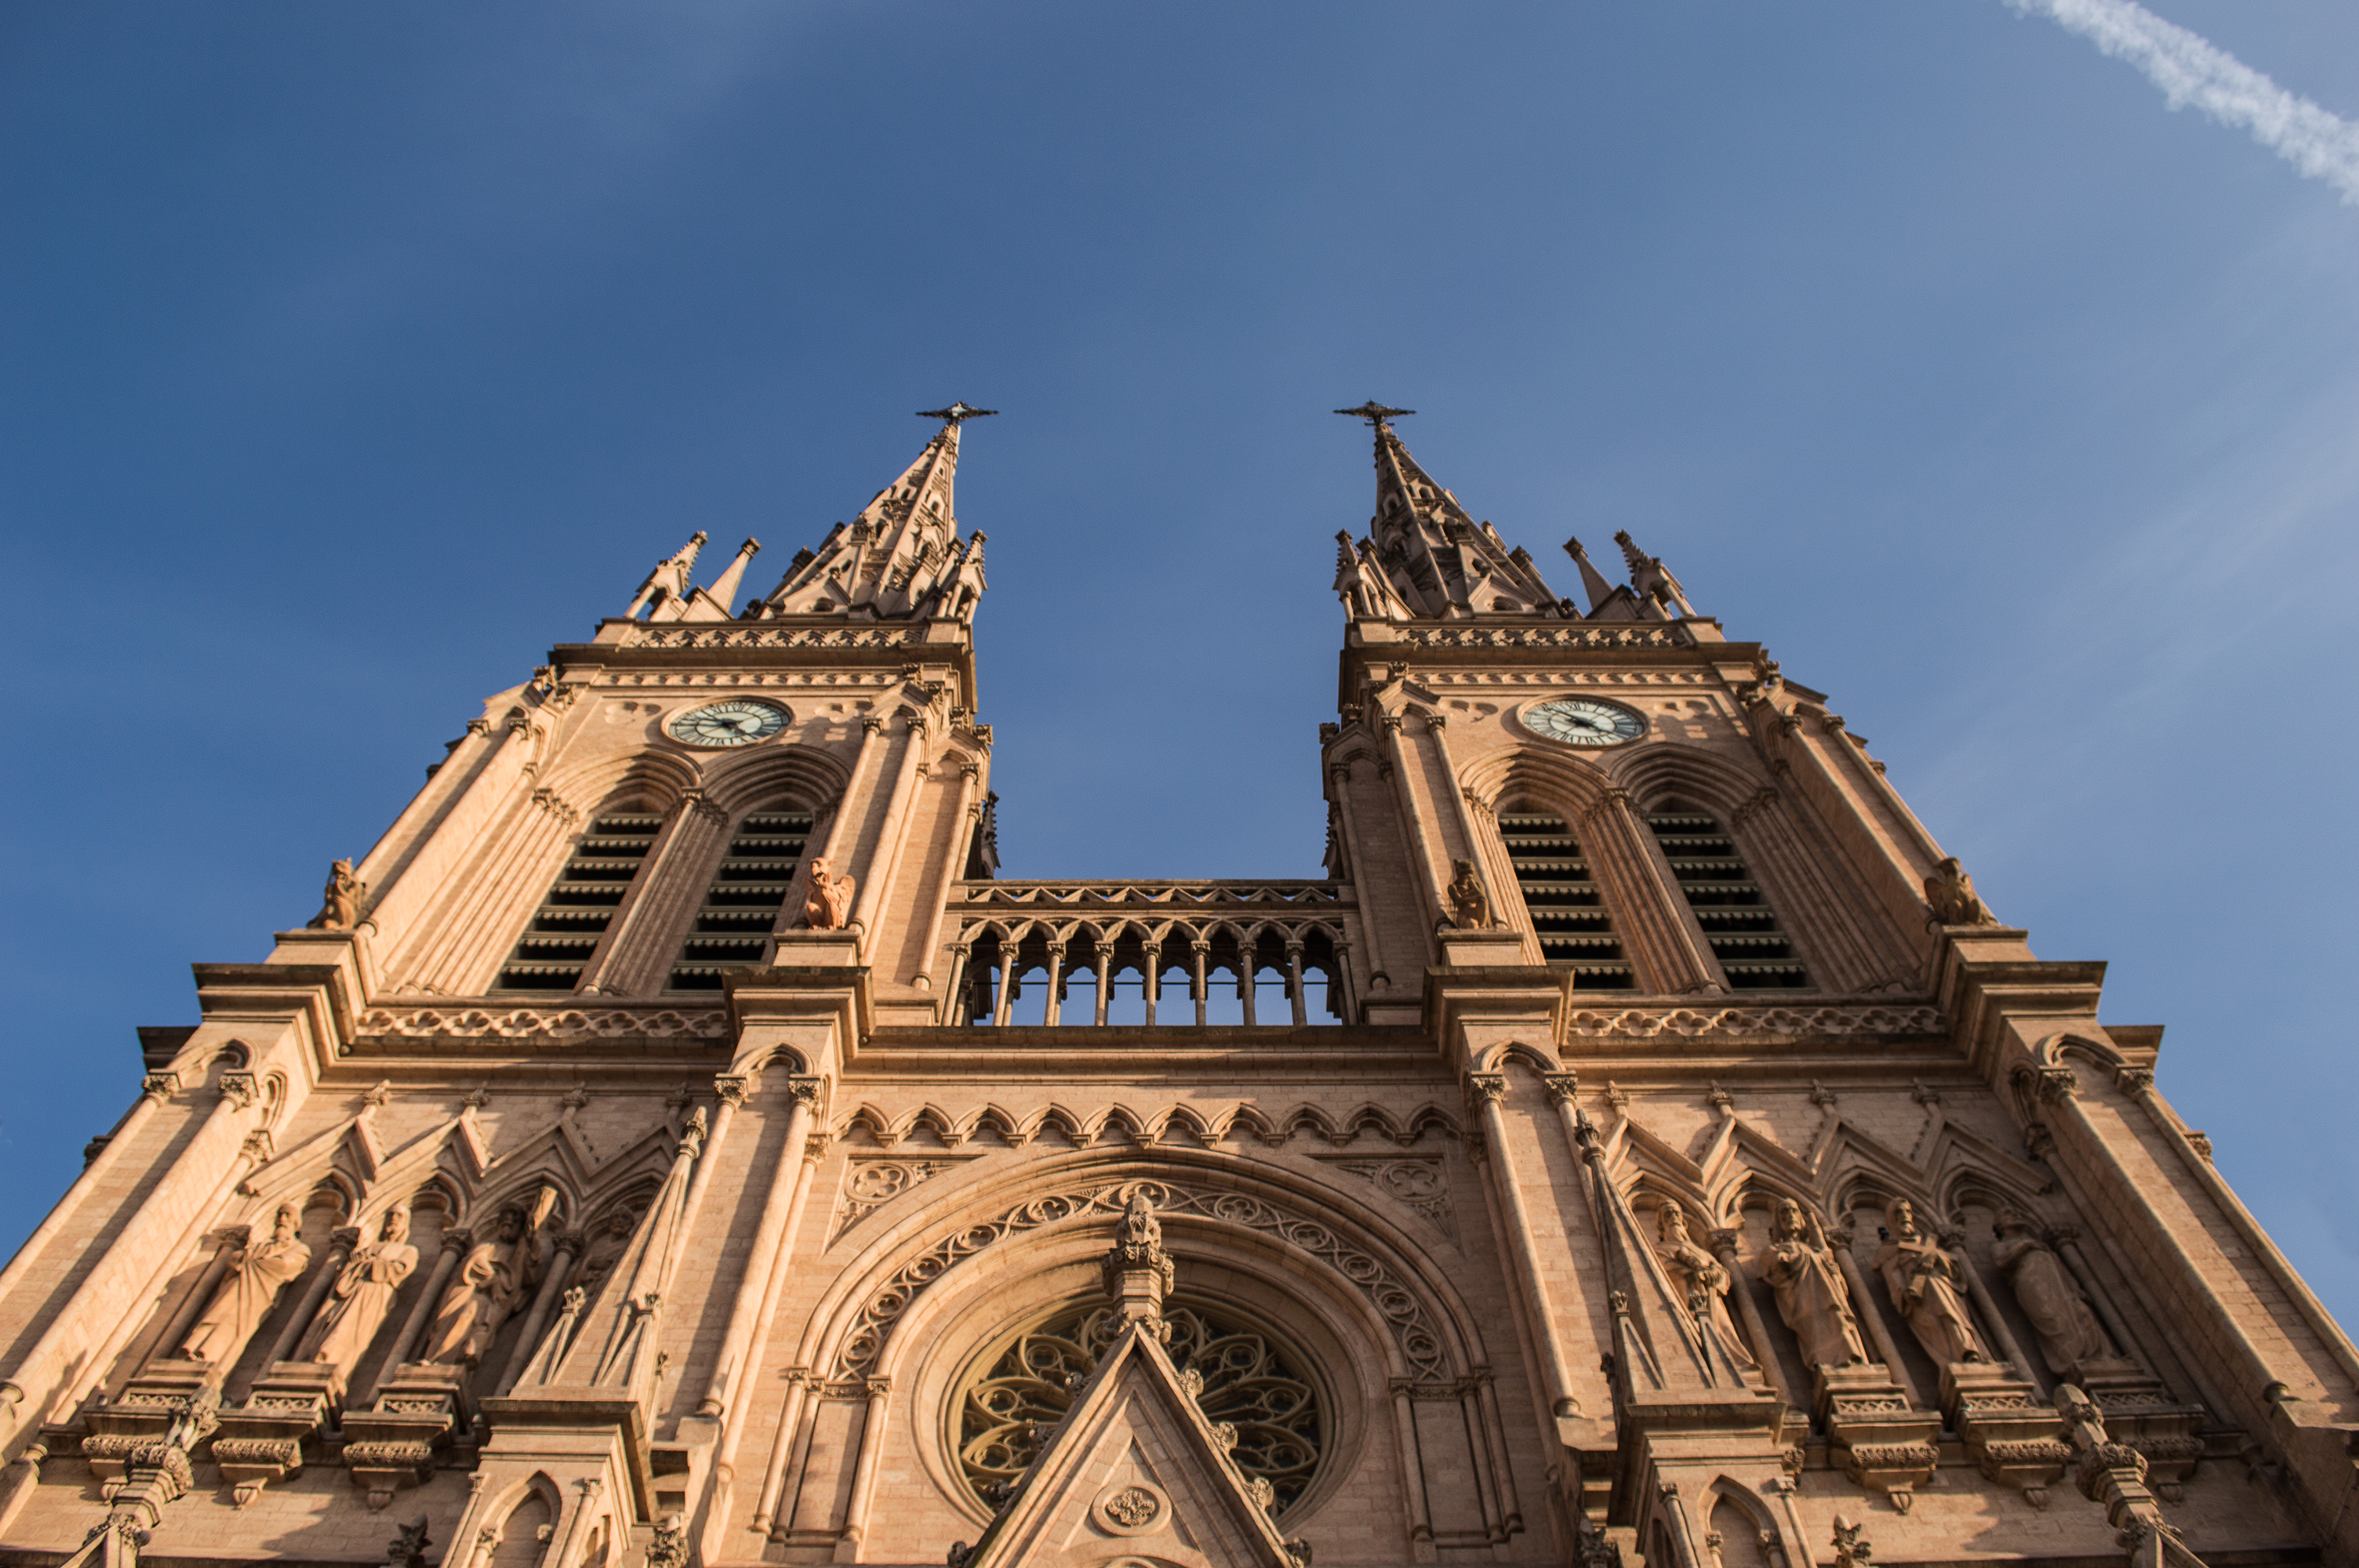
(736, 722)
(1584, 721)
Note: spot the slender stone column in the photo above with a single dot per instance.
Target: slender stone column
(1053, 1009)
(1431, 879)
(877, 887)
(864, 1470)
(1246, 964)
(1150, 962)
(455, 1242)
(731, 1088)
(1294, 983)
(560, 1269)
(1650, 912)
(733, 1429)
(782, 1445)
(340, 1242)
(1010, 962)
(1339, 778)
(1765, 1354)
(969, 811)
(1483, 1093)
(1420, 1513)
(768, 1237)
(2066, 1239)
(1102, 956)
(232, 1239)
(1873, 1318)
(1979, 1293)
(629, 961)
(1204, 958)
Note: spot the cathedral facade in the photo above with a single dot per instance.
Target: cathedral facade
(674, 1142)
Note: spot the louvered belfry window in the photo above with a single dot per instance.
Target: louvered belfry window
(742, 902)
(564, 931)
(1568, 914)
(1753, 950)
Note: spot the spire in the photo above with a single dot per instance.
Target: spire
(724, 587)
(901, 559)
(1656, 589)
(1592, 581)
(669, 581)
(1437, 562)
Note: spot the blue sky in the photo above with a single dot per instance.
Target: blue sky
(349, 356)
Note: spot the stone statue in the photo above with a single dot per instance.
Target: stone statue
(1926, 1285)
(341, 905)
(1700, 1277)
(490, 1283)
(2069, 1335)
(361, 1297)
(829, 908)
(256, 1276)
(1811, 1293)
(1949, 894)
(1469, 906)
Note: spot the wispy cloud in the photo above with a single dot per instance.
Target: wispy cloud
(2190, 69)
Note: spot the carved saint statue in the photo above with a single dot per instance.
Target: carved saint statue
(361, 1296)
(2069, 1335)
(829, 908)
(1927, 1286)
(340, 904)
(1949, 894)
(256, 1276)
(1469, 906)
(1811, 1293)
(491, 1281)
(1700, 1277)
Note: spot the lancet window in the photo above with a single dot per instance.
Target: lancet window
(1753, 949)
(1568, 913)
(1253, 1380)
(742, 904)
(564, 931)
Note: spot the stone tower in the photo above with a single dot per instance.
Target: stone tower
(674, 1142)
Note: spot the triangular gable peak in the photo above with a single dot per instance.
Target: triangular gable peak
(1133, 1470)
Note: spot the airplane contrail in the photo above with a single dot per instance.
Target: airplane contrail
(2190, 70)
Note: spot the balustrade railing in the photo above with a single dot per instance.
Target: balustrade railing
(1129, 936)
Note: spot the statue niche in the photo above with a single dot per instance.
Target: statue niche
(2070, 1335)
(1703, 1282)
(361, 1297)
(1926, 1282)
(1800, 1271)
(491, 1282)
(258, 1275)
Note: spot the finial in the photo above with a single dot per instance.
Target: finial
(956, 414)
(1375, 413)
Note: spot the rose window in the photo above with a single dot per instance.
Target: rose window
(1253, 1380)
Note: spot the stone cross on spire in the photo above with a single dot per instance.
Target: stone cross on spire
(956, 414)
(1375, 413)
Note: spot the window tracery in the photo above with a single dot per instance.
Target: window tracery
(1252, 1381)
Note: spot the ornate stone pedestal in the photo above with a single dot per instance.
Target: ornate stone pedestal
(262, 1439)
(1880, 1442)
(149, 1403)
(2015, 1437)
(417, 1412)
(2139, 1410)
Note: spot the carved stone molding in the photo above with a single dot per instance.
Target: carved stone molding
(1631, 636)
(239, 1088)
(1413, 1332)
(770, 637)
(1561, 1087)
(1419, 1185)
(160, 1087)
(870, 1185)
(553, 1023)
(1755, 1023)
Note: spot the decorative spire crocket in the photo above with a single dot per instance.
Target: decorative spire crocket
(901, 559)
